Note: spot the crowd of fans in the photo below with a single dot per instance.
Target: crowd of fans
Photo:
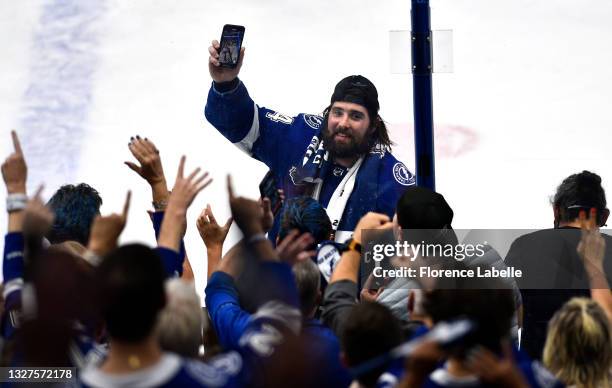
(275, 316)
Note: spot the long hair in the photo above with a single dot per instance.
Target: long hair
(380, 134)
(578, 347)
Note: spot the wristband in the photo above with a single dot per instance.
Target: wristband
(256, 238)
(16, 202)
(160, 206)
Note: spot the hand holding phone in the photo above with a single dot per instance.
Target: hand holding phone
(268, 188)
(226, 56)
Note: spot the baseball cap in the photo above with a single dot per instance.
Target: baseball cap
(358, 90)
(422, 208)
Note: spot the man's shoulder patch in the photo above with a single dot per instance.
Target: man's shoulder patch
(313, 121)
(402, 175)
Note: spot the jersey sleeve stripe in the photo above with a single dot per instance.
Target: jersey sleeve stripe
(246, 144)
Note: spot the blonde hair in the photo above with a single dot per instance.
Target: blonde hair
(578, 347)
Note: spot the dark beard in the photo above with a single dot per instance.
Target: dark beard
(353, 148)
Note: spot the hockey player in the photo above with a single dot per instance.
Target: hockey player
(342, 158)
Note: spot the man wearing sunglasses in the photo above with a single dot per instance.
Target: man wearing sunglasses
(342, 159)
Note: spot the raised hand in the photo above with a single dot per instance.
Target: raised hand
(150, 168)
(186, 188)
(491, 369)
(105, 230)
(592, 245)
(147, 155)
(14, 169)
(211, 232)
(38, 218)
(422, 361)
(247, 213)
(368, 293)
(371, 221)
(218, 73)
(293, 248)
(183, 193)
(267, 220)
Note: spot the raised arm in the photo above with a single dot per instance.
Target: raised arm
(174, 224)
(230, 320)
(260, 132)
(249, 216)
(106, 230)
(15, 174)
(591, 250)
(25, 217)
(232, 263)
(213, 236)
(341, 293)
(229, 107)
(348, 267)
(150, 169)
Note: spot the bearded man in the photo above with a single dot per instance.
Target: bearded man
(342, 159)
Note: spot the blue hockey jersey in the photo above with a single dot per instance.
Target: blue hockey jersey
(171, 371)
(284, 143)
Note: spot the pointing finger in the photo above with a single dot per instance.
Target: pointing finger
(230, 188)
(16, 143)
(39, 192)
(181, 167)
(210, 214)
(126, 206)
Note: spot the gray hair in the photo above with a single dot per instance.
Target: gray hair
(181, 322)
(308, 282)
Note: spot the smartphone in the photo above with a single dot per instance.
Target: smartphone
(231, 42)
(269, 189)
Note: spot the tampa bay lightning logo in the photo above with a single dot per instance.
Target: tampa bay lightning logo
(262, 341)
(313, 121)
(327, 258)
(402, 175)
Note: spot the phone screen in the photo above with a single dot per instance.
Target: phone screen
(231, 42)
(268, 189)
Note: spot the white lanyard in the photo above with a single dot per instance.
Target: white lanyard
(338, 200)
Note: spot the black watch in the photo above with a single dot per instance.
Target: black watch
(352, 245)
